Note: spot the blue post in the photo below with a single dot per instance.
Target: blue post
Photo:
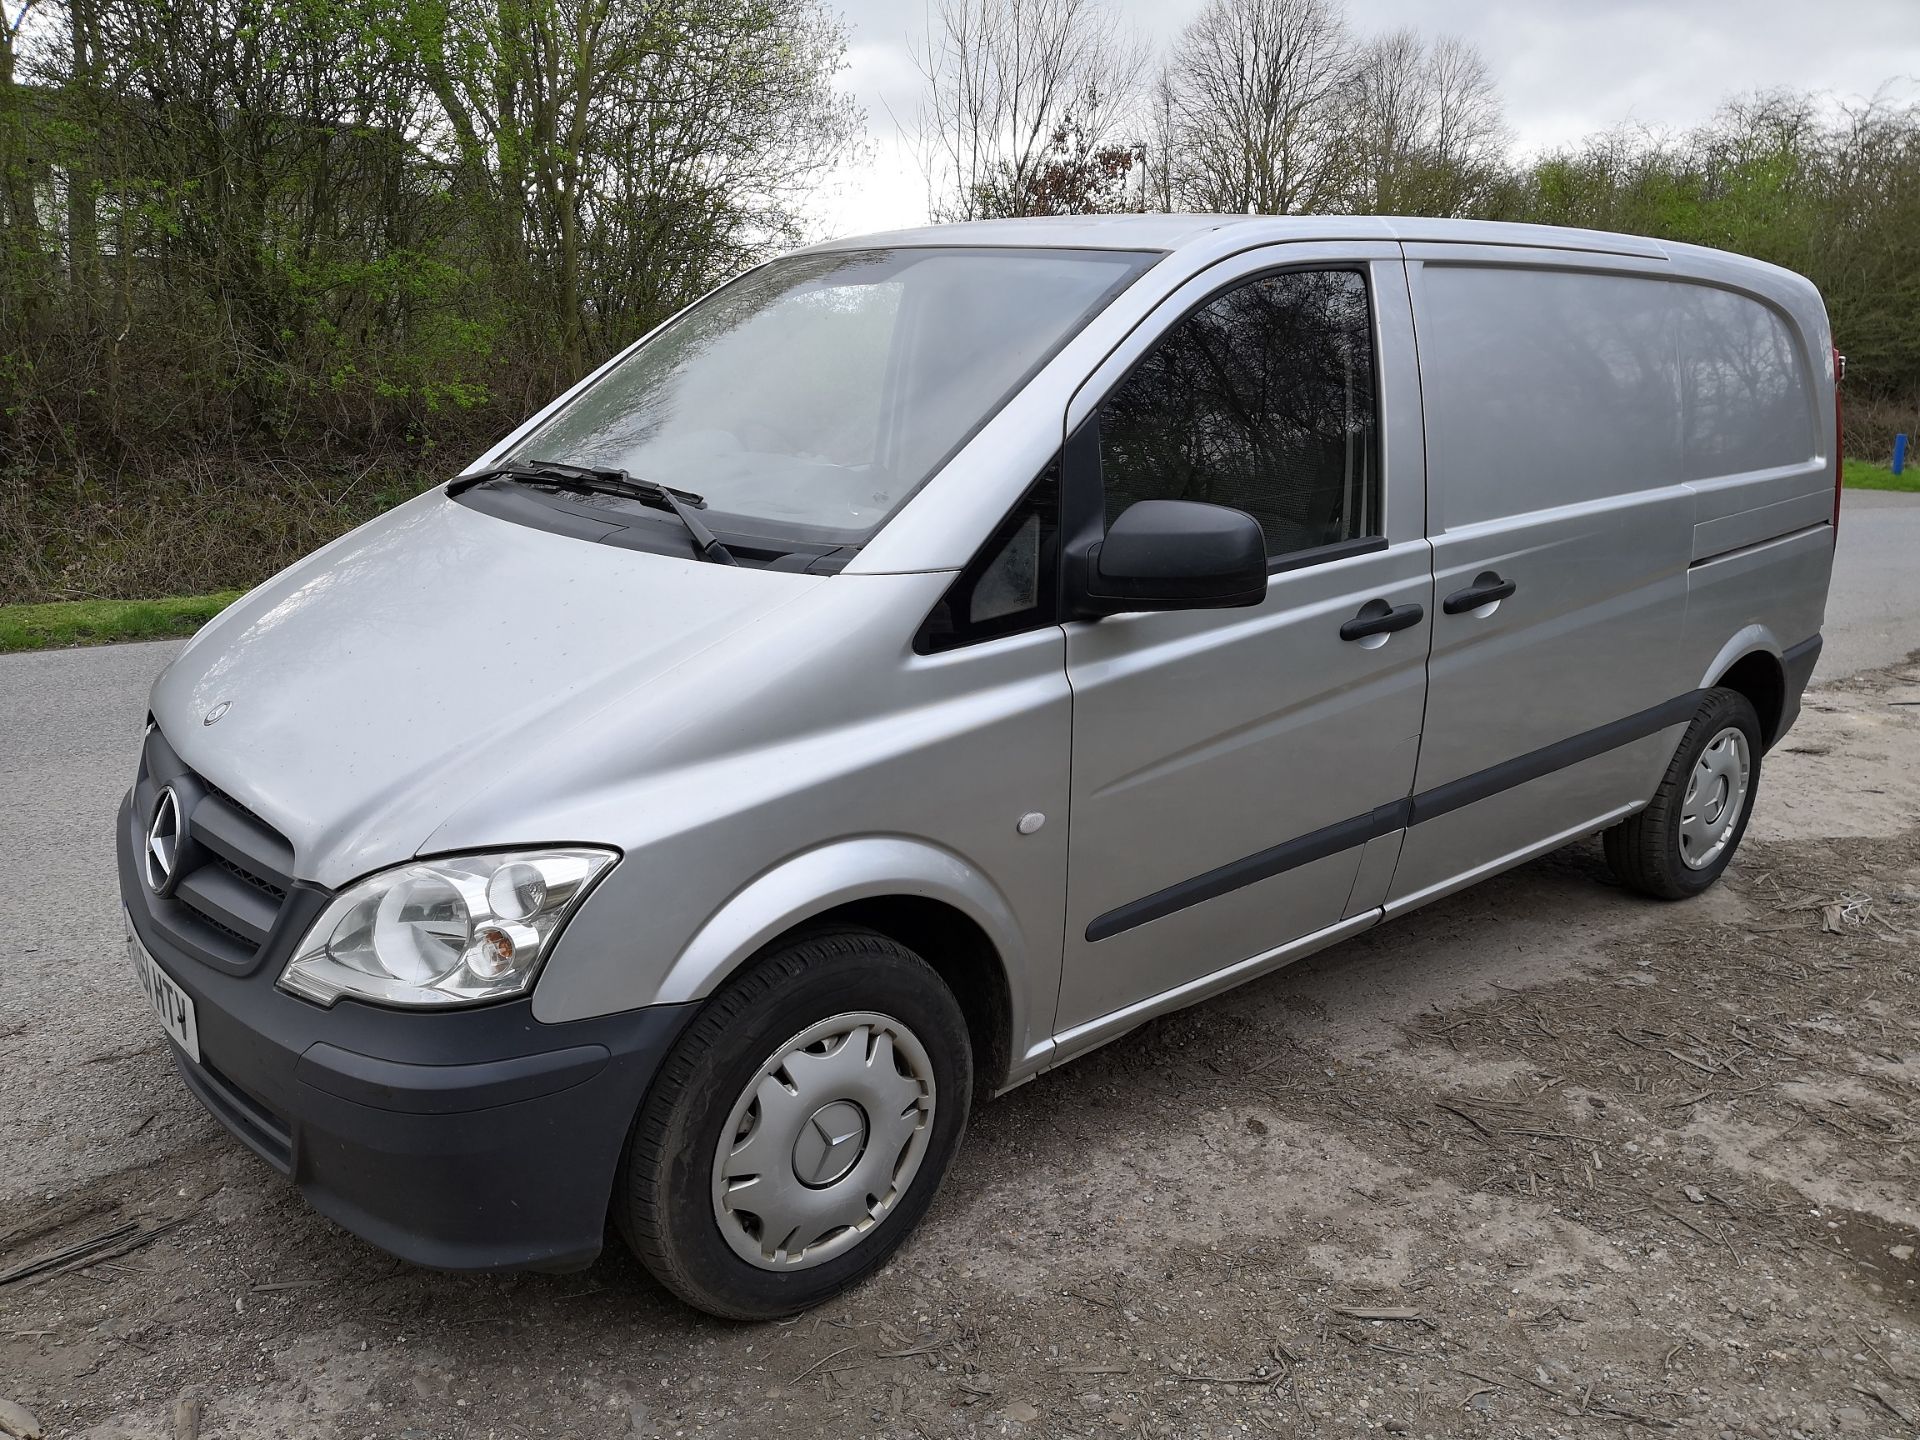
(1899, 453)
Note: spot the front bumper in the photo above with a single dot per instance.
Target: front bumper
(474, 1139)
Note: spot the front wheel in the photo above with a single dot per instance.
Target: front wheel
(1687, 834)
(798, 1130)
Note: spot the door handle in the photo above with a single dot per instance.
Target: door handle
(1376, 617)
(1487, 588)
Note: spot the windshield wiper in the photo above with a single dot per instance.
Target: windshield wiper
(607, 480)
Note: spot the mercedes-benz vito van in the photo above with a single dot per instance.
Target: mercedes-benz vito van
(929, 657)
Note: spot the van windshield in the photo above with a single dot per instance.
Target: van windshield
(809, 398)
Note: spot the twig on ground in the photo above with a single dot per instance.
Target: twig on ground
(1220, 1379)
(60, 1257)
(1378, 1312)
(818, 1363)
(1456, 1110)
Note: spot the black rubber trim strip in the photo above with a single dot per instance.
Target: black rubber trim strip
(1385, 819)
(1303, 850)
(1321, 554)
(1444, 799)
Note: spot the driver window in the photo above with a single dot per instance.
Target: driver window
(1262, 399)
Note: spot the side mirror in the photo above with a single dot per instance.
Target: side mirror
(1176, 555)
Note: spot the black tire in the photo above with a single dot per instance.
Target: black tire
(1643, 851)
(663, 1199)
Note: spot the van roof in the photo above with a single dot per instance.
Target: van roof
(1172, 232)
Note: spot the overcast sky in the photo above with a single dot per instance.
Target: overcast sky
(1564, 68)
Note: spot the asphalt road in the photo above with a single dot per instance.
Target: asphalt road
(1873, 611)
(69, 741)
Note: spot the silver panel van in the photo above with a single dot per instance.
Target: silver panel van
(929, 657)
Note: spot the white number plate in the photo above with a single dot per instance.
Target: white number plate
(172, 1004)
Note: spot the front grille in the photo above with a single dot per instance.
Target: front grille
(275, 893)
(242, 945)
(232, 872)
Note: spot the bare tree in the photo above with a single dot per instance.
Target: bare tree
(1157, 185)
(1421, 127)
(19, 210)
(1026, 107)
(1253, 87)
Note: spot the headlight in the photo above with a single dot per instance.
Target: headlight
(443, 932)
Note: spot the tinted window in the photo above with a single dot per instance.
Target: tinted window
(1745, 394)
(1544, 388)
(1263, 399)
(813, 395)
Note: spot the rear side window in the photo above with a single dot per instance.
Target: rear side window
(1262, 399)
(1544, 388)
(1745, 395)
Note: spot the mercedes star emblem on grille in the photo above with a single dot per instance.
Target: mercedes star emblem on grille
(163, 841)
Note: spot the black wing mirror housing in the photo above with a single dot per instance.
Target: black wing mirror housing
(1175, 555)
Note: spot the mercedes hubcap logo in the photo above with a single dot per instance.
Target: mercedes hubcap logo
(163, 841)
(830, 1143)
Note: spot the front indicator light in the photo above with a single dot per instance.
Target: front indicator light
(455, 931)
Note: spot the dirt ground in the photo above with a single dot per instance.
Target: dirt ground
(1544, 1159)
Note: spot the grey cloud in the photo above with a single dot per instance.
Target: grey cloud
(1565, 68)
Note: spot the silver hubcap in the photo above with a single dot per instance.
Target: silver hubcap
(1716, 796)
(823, 1142)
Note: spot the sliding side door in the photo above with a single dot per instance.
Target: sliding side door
(1562, 531)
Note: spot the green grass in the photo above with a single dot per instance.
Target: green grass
(1860, 475)
(96, 622)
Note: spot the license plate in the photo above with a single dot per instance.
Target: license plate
(172, 1004)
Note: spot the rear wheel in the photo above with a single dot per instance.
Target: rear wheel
(1678, 845)
(798, 1130)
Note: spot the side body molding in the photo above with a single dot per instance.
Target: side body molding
(839, 873)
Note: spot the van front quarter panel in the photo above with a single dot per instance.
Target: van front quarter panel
(868, 770)
(856, 880)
